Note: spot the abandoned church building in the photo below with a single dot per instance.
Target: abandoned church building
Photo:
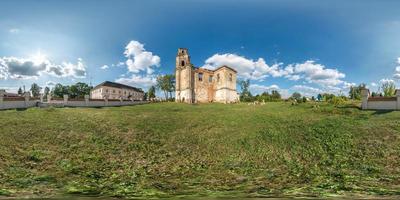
(200, 85)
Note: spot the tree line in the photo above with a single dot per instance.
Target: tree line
(78, 90)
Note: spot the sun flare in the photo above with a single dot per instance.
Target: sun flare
(39, 58)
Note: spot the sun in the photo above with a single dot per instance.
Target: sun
(39, 58)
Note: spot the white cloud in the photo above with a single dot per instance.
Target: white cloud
(246, 68)
(143, 81)
(258, 89)
(347, 85)
(310, 71)
(397, 70)
(139, 59)
(119, 64)
(383, 81)
(14, 30)
(306, 90)
(66, 69)
(104, 67)
(21, 68)
(316, 73)
(50, 83)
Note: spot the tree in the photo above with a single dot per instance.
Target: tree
(59, 90)
(170, 83)
(355, 91)
(151, 93)
(296, 96)
(145, 96)
(162, 85)
(20, 91)
(46, 92)
(79, 90)
(388, 88)
(319, 97)
(275, 95)
(245, 95)
(312, 98)
(35, 90)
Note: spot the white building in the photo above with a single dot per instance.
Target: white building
(116, 91)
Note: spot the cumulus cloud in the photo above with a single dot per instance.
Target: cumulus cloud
(135, 80)
(66, 69)
(310, 71)
(306, 90)
(104, 67)
(258, 89)
(385, 80)
(397, 70)
(246, 68)
(139, 59)
(316, 73)
(21, 68)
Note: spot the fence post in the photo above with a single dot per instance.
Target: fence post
(398, 98)
(48, 98)
(87, 100)
(105, 99)
(364, 98)
(65, 99)
(27, 95)
(2, 93)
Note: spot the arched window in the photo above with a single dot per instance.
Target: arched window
(182, 63)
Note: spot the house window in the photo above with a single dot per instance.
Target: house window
(183, 63)
(106, 91)
(230, 77)
(218, 77)
(113, 91)
(210, 79)
(200, 76)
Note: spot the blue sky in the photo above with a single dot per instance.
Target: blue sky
(306, 46)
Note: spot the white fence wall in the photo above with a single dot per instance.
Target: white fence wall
(7, 103)
(380, 103)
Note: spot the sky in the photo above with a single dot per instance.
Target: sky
(288, 45)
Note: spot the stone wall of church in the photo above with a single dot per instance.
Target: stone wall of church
(204, 86)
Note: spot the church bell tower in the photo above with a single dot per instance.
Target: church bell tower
(184, 77)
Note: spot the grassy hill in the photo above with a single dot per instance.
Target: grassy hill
(212, 149)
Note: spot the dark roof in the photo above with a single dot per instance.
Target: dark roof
(117, 85)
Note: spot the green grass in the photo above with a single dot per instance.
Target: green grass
(171, 149)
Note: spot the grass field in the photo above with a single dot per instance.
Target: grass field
(170, 149)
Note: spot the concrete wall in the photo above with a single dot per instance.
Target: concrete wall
(26, 102)
(16, 102)
(380, 103)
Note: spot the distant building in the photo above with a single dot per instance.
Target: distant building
(8, 94)
(203, 85)
(116, 91)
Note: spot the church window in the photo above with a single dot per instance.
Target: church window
(230, 77)
(210, 79)
(218, 77)
(200, 76)
(183, 63)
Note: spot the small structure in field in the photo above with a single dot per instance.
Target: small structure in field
(111, 90)
(380, 103)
